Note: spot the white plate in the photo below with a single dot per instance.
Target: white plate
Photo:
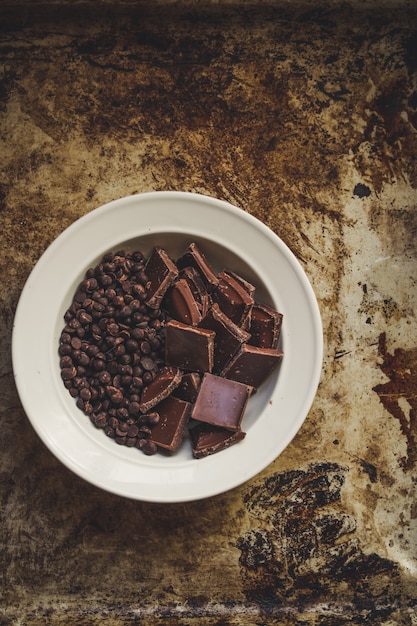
(235, 240)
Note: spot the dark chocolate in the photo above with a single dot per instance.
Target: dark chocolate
(221, 402)
(232, 298)
(164, 383)
(252, 365)
(188, 388)
(195, 282)
(265, 326)
(161, 272)
(229, 337)
(207, 439)
(180, 303)
(169, 432)
(242, 282)
(189, 347)
(194, 257)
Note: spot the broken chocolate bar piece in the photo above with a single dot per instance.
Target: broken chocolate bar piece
(243, 282)
(180, 303)
(169, 432)
(252, 365)
(189, 347)
(232, 298)
(188, 388)
(194, 257)
(221, 402)
(265, 326)
(161, 272)
(229, 337)
(164, 383)
(194, 280)
(207, 439)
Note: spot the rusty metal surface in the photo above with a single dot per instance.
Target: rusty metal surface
(305, 115)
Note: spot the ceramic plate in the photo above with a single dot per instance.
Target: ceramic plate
(230, 238)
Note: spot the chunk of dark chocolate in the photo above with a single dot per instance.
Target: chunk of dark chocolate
(207, 439)
(188, 388)
(243, 282)
(232, 298)
(228, 339)
(164, 383)
(161, 272)
(194, 257)
(265, 326)
(169, 432)
(189, 347)
(195, 282)
(252, 365)
(180, 303)
(221, 402)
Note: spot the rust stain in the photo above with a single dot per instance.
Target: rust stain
(401, 388)
(305, 544)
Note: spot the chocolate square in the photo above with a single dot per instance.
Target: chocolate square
(188, 388)
(189, 347)
(195, 282)
(207, 439)
(252, 365)
(161, 272)
(265, 326)
(232, 298)
(221, 402)
(194, 257)
(169, 432)
(180, 303)
(229, 337)
(164, 383)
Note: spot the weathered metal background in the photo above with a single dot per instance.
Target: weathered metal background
(305, 115)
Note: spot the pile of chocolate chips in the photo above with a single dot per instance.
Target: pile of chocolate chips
(154, 348)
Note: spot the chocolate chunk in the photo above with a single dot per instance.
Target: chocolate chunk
(164, 383)
(265, 326)
(242, 282)
(188, 388)
(180, 303)
(221, 402)
(232, 298)
(194, 280)
(189, 347)
(252, 365)
(161, 272)
(169, 432)
(207, 439)
(194, 257)
(229, 337)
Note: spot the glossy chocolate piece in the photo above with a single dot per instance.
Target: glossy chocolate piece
(232, 298)
(180, 303)
(249, 288)
(161, 272)
(252, 365)
(206, 439)
(194, 257)
(189, 347)
(221, 402)
(188, 388)
(195, 282)
(228, 339)
(169, 432)
(164, 383)
(265, 326)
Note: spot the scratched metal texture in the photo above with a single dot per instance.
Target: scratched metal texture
(305, 115)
